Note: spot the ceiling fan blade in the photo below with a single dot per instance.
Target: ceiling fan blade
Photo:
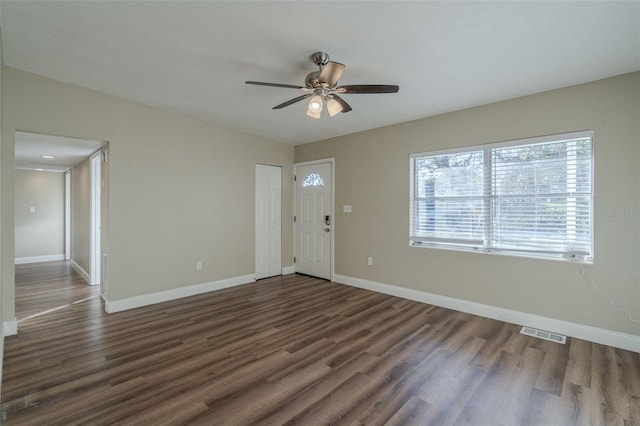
(293, 101)
(289, 86)
(345, 106)
(331, 73)
(368, 88)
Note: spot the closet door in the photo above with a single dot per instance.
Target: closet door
(268, 225)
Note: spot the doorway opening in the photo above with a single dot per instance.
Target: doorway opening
(58, 202)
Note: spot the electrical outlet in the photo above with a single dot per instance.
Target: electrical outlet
(199, 265)
(370, 261)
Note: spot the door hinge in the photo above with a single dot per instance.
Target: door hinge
(294, 218)
(294, 178)
(294, 259)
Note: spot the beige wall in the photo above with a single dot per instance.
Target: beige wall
(40, 233)
(180, 189)
(372, 174)
(81, 214)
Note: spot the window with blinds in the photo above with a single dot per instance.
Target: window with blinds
(527, 197)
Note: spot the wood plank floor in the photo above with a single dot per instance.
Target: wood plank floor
(300, 350)
(41, 287)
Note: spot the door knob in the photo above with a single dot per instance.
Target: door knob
(326, 229)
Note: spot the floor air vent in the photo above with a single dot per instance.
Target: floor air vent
(546, 335)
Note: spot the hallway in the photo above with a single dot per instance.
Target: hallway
(48, 286)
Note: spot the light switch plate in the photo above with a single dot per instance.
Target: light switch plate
(346, 208)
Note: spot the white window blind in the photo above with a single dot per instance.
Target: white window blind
(530, 196)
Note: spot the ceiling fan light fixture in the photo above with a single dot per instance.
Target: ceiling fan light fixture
(314, 107)
(333, 107)
(315, 104)
(313, 114)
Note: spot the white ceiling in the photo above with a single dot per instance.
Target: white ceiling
(67, 152)
(193, 57)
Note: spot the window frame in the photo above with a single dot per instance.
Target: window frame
(479, 246)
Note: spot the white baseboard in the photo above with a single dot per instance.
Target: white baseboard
(80, 270)
(10, 327)
(177, 293)
(286, 270)
(37, 259)
(593, 334)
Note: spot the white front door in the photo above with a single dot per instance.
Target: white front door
(268, 221)
(313, 219)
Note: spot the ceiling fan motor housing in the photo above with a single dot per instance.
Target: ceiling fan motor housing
(311, 81)
(320, 58)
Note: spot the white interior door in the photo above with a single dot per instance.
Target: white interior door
(313, 219)
(268, 221)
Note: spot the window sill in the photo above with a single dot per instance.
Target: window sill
(538, 256)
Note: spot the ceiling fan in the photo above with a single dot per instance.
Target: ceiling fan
(322, 87)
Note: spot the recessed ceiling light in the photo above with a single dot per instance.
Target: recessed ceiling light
(48, 157)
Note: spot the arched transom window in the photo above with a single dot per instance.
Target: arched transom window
(313, 179)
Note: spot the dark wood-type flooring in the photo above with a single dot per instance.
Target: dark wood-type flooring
(300, 350)
(42, 287)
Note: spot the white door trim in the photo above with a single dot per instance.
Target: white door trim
(67, 215)
(333, 207)
(95, 167)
